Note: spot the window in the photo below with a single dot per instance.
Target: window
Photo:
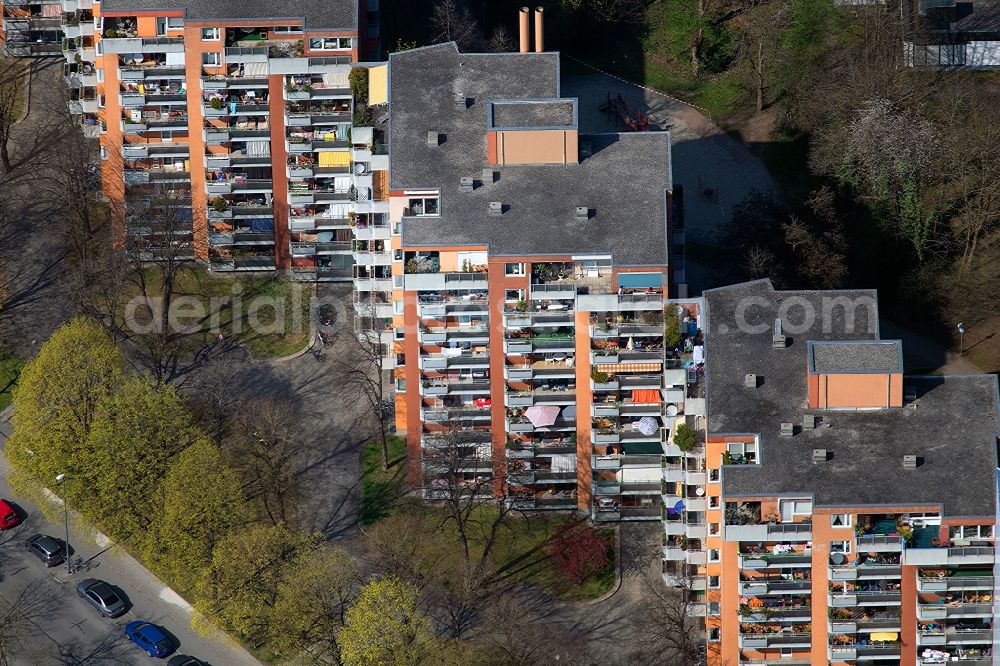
(286, 29)
(330, 43)
(840, 547)
(397, 307)
(104, 152)
(713, 529)
(714, 608)
(423, 206)
(514, 295)
(401, 385)
(840, 520)
(972, 532)
(713, 554)
(795, 508)
(209, 34)
(513, 269)
(713, 582)
(713, 634)
(713, 501)
(713, 476)
(175, 23)
(398, 333)
(211, 59)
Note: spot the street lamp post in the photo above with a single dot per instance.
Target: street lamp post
(961, 339)
(65, 499)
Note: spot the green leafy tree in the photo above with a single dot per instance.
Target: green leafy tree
(384, 627)
(312, 605)
(685, 437)
(240, 588)
(136, 433)
(58, 398)
(671, 326)
(201, 502)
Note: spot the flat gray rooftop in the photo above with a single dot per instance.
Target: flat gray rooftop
(542, 113)
(951, 427)
(849, 357)
(624, 182)
(318, 14)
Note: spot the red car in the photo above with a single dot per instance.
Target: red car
(8, 517)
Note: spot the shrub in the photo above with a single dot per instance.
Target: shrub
(358, 78)
(671, 327)
(220, 205)
(598, 376)
(685, 437)
(579, 552)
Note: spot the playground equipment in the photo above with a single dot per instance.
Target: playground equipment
(626, 113)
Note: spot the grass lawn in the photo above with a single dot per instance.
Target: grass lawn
(519, 553)
(10, 370)
(381, 489)
(245, 309)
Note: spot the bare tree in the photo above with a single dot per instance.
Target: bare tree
(131, 282)
(499, 41)
(267, 451)
(672, 628)
(19, 617)
(366, 371)
(514, 634)
(451, 21)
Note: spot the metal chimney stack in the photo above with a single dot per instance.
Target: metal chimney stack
(525, 30)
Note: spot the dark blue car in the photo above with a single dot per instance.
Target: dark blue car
(149, 637)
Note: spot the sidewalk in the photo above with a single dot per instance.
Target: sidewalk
(151, 599)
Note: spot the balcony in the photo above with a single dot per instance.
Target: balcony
(857, 652)
(143, 44)
(880, 543)
(759, 587)
(852, 598)
(944, 556)
(769, 532)
(954, 583)
(955, 637)
(238, 54)
(953, 611)
(778, 640)
(752, 561)
(454, 387)
(460, 414)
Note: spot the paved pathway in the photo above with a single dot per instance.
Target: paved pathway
(703, 155)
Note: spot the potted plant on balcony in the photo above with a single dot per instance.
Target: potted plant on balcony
(598, 376)
(216, 103)
(220, 205)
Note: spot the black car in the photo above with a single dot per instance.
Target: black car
(101, 596)
(49, 550)
(184, 660)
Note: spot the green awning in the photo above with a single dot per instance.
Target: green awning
(640, 280)
(641, 447)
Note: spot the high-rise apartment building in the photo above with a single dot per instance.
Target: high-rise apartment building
(836, 511)
(225, 129)
(32, 28)
(520, 276)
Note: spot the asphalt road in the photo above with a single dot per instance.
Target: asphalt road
(70, 632)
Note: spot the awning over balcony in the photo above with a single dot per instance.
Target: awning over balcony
(614, 368)
(645, 396)
(640, 280)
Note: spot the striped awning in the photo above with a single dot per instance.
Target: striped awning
(617, 368)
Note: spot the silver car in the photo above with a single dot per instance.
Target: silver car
(101, 596)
